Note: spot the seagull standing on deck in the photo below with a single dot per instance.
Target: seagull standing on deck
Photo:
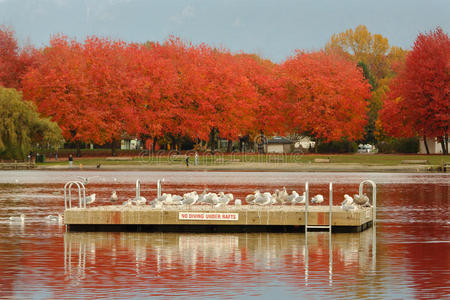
(90, 199)
(347, 204)
(360, 199)
(317, 199)
(113, 197)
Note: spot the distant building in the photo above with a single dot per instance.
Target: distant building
(434, 146)
(130, 143)
(279, 144)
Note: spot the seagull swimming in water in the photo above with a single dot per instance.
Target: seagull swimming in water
(20, 219)
(86, 180)
(57, 218)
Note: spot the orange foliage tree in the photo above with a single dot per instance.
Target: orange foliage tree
(418, 102)
(98, 90)
(84, 88)
(13, 60)
(325, 96)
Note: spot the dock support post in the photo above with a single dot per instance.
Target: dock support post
(138, 189)
(158, 187)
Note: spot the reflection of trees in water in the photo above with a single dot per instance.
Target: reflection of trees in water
(208, 254)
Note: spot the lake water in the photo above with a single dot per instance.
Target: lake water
(39, 260)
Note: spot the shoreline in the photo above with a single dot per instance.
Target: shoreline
(255, 167)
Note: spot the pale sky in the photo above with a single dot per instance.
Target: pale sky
(273, 29)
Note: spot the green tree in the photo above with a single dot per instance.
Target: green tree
(21, 127)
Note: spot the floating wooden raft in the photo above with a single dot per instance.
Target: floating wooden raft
(229, 218)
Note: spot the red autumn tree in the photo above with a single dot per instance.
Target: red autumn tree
(13, 60)
(269, 85)
(84, 88)
(325, 96)
(418, 102)
(200, 89)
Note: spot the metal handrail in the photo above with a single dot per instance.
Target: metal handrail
(374, 197)
(68, 200)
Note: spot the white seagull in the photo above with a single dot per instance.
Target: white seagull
(57, 218)
(283, 195)
(250, 199)
(113, 197)
(90, 199)
(299, 199)
(347, 204)
(20, 219)
(86, 180)
(190, 198)
(140, 201)
(317, 199)
(211, 198)
(263, 199)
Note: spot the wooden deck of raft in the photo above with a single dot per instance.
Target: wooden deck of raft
(206, 218)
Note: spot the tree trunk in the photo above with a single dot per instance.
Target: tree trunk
(230, 146)
(155, 139)
(113, 148)
(446, 143)
(78, 149)
(442, 140)
(426, 144)
(212, 137)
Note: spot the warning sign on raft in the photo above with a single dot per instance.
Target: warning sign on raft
(208, 216)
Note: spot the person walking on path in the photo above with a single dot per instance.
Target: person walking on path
(70, 160)
(196, 159)
(187, 160)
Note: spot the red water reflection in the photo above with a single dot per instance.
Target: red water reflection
(412, 251)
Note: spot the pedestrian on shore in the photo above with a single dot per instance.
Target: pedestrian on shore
(70, 160)
(187, 160)
(196, 159)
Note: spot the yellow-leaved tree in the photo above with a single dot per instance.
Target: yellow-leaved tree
(378, 61)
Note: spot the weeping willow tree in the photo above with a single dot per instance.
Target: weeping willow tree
(21, 126)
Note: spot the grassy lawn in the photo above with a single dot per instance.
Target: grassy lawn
(220, 159)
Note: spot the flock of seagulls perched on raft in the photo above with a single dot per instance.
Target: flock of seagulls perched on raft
(279, 197)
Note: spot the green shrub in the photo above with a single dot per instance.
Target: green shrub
(401, 145)
(337, 147)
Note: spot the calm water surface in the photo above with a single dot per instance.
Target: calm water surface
(39, 260)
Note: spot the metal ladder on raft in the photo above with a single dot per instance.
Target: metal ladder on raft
(307, 208)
